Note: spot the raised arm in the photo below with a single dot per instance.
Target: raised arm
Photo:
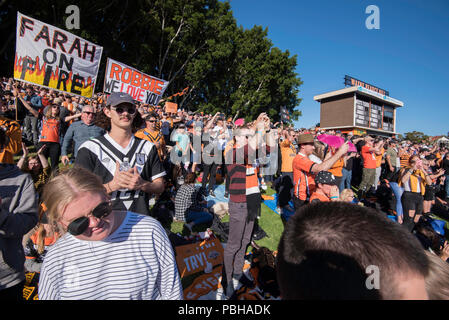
(26, 104)
(328, 163)
(68, 118)
(21, 161)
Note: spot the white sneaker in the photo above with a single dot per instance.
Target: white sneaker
(220, 295)
(236, 284)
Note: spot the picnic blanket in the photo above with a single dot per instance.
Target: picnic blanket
(272, 204)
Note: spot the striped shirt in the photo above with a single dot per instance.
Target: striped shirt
(152, 136)
(135, 262)
(404, 160)
(14, 133)
(243, 177)
(99, 156)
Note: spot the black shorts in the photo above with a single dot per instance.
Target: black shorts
(429, 195)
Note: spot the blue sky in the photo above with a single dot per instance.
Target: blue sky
(408, 55)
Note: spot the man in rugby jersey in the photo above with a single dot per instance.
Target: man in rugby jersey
(131, 189)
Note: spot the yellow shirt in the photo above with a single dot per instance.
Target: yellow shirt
(416, 182)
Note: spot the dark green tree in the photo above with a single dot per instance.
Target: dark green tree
(195, 44)
(415, 136)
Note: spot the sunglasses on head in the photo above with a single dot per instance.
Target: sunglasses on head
(120, 110)
(80, 225)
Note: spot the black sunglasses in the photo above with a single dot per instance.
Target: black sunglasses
(88, 113)
(79, 226)
(120, 110)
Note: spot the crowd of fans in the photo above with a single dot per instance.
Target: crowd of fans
(179, 158)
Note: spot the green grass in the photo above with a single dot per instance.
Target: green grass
(272, 224)
(269, 221)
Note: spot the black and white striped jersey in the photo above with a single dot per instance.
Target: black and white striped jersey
(99, 155)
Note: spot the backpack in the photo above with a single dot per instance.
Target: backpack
(220, 229)
(264, 260)
(395, 177)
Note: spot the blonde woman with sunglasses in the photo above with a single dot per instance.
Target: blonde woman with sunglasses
(103, 254)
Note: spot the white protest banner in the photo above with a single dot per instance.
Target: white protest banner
(144, 88)
(54, 58)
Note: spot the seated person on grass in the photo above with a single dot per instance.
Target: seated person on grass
(187, 206)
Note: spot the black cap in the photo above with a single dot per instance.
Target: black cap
(325, 177)
(117, 98)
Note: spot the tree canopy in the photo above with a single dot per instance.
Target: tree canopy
(415, 136)
(195, 44)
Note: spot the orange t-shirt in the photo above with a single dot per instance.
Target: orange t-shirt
(288, 153)
(369, 158)
(379, 158)
(303, 178)
(318, 197)
(50, 130)
(337, 168)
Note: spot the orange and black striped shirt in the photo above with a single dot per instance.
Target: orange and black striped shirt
(152, 136)
(13, 131)
(404, 160)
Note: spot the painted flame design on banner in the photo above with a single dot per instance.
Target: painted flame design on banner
(37, 74)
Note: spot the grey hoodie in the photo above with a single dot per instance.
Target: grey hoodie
(18, 215)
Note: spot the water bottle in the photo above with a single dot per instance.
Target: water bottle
(124, 166)
(181, 180)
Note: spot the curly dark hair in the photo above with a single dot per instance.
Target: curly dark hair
(102, 121)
